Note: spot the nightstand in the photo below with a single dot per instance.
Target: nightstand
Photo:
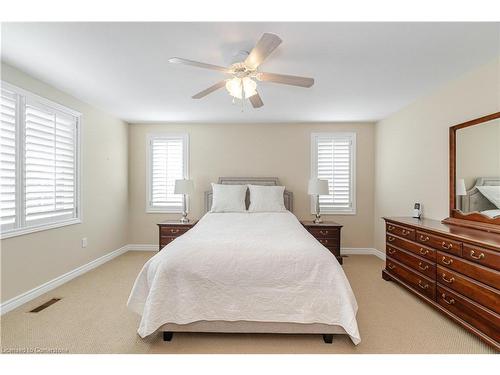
(328, 234)
(170, 230)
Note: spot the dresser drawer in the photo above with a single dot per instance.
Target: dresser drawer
(165, 240)
(482, 256)
(440, 243)
(481, 293)
(418, 282)
(174, 231)
(421, 250)
(401, 231)
(324, 232)
(485, 275)
(329, 242)
(418, 264)
(481, 318)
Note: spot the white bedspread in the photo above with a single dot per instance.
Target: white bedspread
(244, 266)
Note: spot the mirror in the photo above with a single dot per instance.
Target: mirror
(477, 187)
(475, 173)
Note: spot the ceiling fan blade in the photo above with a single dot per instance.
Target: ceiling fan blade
(178, 60)
(256, 101)
(286, 79)
(266, 44)
(211, 89)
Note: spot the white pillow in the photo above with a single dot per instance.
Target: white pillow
(266, 198)
(228, 198)
(492, 193)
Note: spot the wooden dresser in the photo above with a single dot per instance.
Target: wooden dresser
(328, 234)
(170, 230)
(455, 269)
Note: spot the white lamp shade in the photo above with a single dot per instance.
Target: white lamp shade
(460, 189)
(318, 187)
(184, 187)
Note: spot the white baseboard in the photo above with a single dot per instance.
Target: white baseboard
(362, 251)
(141, 247)
(54, 283)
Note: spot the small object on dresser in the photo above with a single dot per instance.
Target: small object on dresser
(328, 234)
(417, 211)
(184, 187)
(170, 230)
(318, 187)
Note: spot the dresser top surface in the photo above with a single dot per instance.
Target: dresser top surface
(177, 222)
(311, 223)
(466, 234)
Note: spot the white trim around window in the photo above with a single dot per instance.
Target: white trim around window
(66, 119)
(340, 171)
(160, 198)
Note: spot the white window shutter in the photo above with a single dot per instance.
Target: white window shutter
(8, 139)
(50, 164)
(334, 161)
(167, 164)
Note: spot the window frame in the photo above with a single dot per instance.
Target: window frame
(21, 228)
(314, 167)
(149, 183)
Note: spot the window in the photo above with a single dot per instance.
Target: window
(167, 161)
(39, 148)
(333, 159)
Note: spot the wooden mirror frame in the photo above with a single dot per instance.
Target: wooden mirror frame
(474, 220)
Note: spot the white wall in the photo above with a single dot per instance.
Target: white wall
(256, 150)
(30, 260)
(411, 146)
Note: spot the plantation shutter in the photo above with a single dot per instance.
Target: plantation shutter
(167, 165)
(8, 139)
(50, 164)
(334, 162)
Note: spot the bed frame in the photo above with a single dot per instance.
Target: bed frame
(474, 201)
(221, 326)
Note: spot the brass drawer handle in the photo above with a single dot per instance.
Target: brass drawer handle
(445, 246)
(391, 251)
(479, 257)
(450, 302)
(391, 266)
(390, 227)
(423, 268)
(423, 286)
(446, 262)
(174, 231)
(323, 241)
(390, 239)
(424, 238)
(424, 251)
(323, 232)
(449, 281)
(405, 232)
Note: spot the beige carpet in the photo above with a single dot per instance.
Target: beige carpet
(92, 318)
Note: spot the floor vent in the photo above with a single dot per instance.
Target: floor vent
(45, 305)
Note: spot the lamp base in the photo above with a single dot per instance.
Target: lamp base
(184, 219)
(317, 220)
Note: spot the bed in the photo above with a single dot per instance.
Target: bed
(245, 272)
(476, 201)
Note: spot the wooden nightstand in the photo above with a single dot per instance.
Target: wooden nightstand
(328, 234)
(170, 230)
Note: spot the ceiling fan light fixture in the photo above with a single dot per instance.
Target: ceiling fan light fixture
(236, 86)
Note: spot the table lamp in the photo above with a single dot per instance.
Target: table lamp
(318, 187)
(184, 187)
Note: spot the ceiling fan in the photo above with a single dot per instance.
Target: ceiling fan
(244, 72)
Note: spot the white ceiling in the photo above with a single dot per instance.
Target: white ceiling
(362, 71)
